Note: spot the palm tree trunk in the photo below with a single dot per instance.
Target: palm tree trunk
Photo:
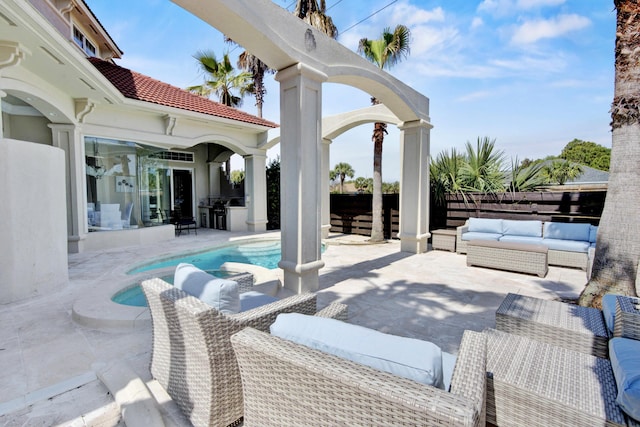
(617, 252)
(377, 233)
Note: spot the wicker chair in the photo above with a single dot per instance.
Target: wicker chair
(287, 384)
(532, 383)
(192, 356)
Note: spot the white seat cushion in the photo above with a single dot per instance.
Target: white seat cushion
(410, 358)
(252, 299)
(219, 293)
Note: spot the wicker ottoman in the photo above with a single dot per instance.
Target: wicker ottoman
(444, 240)
(569, 326)
(519, 257)
(530, 383)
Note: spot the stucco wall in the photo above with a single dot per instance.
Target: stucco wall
(33, 231)
(28, 128)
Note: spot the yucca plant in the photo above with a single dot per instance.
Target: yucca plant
(526, 178)
(483, 171)
(446, 175)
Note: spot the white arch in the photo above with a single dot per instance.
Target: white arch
(268, 31)
(336, 125)
(304, 59)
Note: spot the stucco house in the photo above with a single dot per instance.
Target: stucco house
(97, 156)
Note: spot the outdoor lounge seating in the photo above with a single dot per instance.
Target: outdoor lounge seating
(531, 383)
(568, 243)
(311, 387)
(192, 356)
(510, 256)
(569, 326)
(549, 357)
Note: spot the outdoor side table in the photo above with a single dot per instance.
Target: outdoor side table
(570, 326)
(444, 240)
(627, 322)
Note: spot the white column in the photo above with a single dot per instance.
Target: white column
(68, 138)
(414, 186)
(300, 171)
(2, 95)
(214, 178)
(255, 190)
(326, 192)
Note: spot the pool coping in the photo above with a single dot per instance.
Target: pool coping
(96, 309)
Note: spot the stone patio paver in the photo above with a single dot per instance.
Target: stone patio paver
(432, 296)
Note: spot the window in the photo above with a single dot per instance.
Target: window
(176, 156)
(128, 185)
(83, 43)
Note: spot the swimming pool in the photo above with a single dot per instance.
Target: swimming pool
(134, 296)
(263, 253)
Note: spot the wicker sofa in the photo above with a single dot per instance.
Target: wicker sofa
(551, 363)
(192, 356)
(568, 243)
(289, 384)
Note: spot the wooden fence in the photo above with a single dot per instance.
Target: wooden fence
(559, 206)
(351, 213)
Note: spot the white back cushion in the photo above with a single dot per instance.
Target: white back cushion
(410, 358)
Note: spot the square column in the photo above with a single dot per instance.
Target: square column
(255, 187)
(68, 138)
(300, 176)
(326, 191)
(414, 186)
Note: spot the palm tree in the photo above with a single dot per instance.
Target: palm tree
(561, 171)
(363, 185)
(258, 69)
(313, 13)
(615, 266)
(445, 174)
(385, 52)
(483, 170)
(525, 176)
(221, 79)
(342, 170)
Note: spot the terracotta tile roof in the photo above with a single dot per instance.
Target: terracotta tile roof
(137, 86)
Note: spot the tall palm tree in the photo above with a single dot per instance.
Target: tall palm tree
(258, 69)
(385, 52)
(343, 170)
(314, 14)
(615, 266)
(221, 79)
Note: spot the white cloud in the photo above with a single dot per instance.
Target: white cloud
(427, 40)
(477, 23)
(530, 4)
(504, 7)
(532, 31)
(474, 96)
(411, 15)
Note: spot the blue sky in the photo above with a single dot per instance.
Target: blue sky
(531, 74)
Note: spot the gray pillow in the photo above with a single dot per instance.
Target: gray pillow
(219, 293)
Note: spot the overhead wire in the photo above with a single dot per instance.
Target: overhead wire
(357, 23)
(373, 14)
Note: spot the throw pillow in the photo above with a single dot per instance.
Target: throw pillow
(219, 293)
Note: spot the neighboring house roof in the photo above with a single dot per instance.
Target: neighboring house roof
(590, 175)
(137, 86)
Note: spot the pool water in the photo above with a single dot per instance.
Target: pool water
(134, 296)
(264, 253)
